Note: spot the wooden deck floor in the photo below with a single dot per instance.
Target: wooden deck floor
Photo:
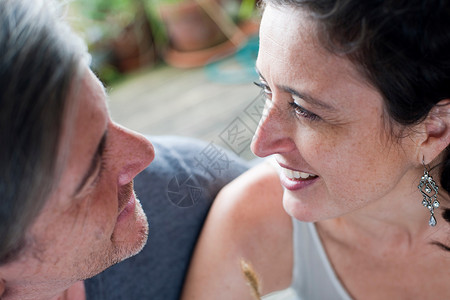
(216, 106)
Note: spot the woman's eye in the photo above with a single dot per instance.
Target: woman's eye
(301, 112)
(265, 88)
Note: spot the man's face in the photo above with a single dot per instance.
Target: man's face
(92, 219)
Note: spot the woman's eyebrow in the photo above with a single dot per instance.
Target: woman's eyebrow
(304, 96)
(259, 74)
(94, 162)
(308, 98)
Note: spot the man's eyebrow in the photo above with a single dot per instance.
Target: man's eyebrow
(94, 162)
(442, 246)
(304, 96)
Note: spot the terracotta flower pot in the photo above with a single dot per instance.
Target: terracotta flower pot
(189, 27)
(134, 47)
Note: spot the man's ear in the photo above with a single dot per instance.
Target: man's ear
(437, 131)
(2, 287)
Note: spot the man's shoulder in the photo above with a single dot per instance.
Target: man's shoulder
(188, 165)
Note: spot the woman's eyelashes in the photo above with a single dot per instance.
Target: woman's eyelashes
(298, 109)
(301, 112)
(265, 88)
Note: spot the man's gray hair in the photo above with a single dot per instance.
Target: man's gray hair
(39, 63)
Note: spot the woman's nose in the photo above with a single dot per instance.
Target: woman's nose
(134, 152)
(273, 134)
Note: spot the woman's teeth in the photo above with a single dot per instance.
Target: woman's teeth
(296, 175)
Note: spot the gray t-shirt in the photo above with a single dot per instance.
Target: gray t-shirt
(176, 192)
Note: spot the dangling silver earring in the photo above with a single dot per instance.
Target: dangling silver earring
(427, 186)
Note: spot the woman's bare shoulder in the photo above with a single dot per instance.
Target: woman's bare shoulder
(247, 221)
(254, 198)
(251, 201)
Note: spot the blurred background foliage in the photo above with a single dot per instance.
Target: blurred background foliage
(126, 35)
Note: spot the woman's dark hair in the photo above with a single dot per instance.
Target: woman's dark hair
(39, 60)
(402, 47)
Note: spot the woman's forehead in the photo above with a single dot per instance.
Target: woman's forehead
(287, 22)
(289, 47)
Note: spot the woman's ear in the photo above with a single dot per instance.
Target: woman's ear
(437, 131)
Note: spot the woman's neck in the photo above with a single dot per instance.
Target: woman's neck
(398, 219)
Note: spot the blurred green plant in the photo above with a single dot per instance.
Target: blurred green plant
(108, 16)
(246, 9)
(100, 9)
(103, 23)
(105, 20)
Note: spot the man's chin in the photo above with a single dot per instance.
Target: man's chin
(140, 244)
(127, 241)
(140, 232)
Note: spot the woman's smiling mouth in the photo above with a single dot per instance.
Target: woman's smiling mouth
(297, 175)
(295, 180)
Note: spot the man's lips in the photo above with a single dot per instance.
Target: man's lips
(125, 193)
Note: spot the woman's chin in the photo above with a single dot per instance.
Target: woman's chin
(304, 211)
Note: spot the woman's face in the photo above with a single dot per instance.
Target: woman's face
(92, 220)
(325, 125)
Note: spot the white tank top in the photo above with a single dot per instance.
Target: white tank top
(313, 277)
